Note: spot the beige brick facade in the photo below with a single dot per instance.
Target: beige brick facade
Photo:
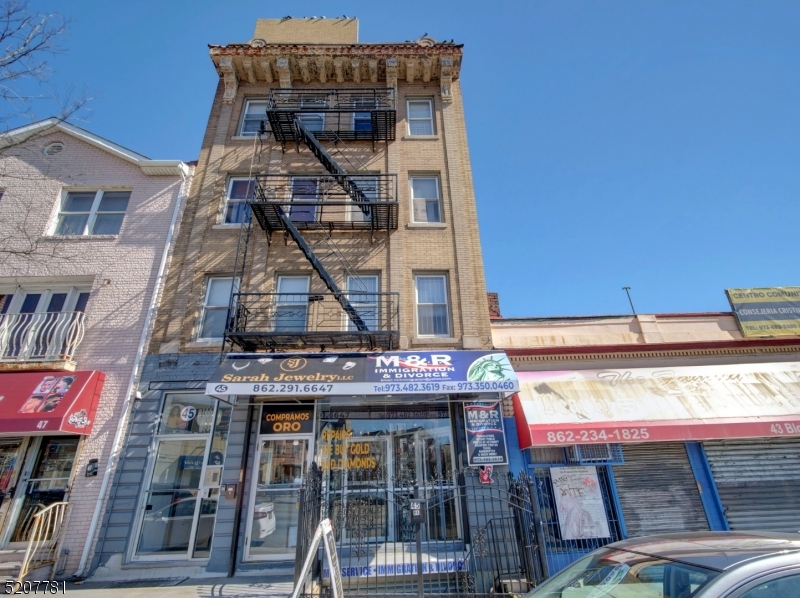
(206, 247)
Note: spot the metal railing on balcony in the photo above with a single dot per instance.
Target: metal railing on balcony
(329, 202)
(349, 114)
(52, 336)
(266, 321)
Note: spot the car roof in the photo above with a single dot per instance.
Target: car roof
(713, 550)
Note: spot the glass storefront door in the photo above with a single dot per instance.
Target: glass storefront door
(48, 483)
(274, 510)
(180, 506)
(12, 452)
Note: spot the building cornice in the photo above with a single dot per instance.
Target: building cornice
(659, 350)
(283, 64)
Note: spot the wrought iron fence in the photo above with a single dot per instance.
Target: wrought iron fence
(40, 336)
(272, 320)
(478, 539)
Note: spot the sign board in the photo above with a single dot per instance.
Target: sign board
(579, 502)
(486, 439)
(287, 420)
(315, 374)
(418, 508)
(766, 311)
(324, 534)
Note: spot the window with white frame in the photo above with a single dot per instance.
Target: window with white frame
(215, 307)
(92, 212)
(420, 117)
(362, 121)
(433, 314)
(291, 305)
(425, 201)
(240, 190)
(362, 293)
(313, 121)
(304, 189)
(255, 111)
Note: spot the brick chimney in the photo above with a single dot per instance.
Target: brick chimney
(494, 305)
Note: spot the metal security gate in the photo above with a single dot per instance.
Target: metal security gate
(479, 539)
(758, 482)
(657, 490)
(558, 552)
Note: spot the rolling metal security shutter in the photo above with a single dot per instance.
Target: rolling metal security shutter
(657, 490)
(758, 482)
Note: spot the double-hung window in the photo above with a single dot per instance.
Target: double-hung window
(240, 190)
(433, 317)
(92, 212)
(255, 111)
(313, 121)
(362, 293)
(215, 308)
(425, 199)
(362, 121)
(420, 117)
(291, 305)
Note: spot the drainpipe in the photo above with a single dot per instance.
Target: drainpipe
(126, 405)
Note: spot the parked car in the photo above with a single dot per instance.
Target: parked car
(687, 565)
(168, 529)
(263, 522)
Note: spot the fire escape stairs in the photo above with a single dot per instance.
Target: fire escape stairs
(356, 194)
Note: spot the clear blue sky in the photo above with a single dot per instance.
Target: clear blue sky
(651, 144)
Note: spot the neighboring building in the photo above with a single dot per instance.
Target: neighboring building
(351, 308)
(85, 229)
(689, 425)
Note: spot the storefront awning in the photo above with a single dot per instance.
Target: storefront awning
(399, 373)
(49, 402)
(654, 405)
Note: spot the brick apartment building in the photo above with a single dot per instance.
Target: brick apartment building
(330, 248)
(85, 228)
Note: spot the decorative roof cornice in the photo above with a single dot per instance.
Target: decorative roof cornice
(424, 60)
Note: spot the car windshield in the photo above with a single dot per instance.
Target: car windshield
(620, 574)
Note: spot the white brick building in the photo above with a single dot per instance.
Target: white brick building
(85, 231)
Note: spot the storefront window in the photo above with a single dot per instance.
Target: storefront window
(372, 457)
(187, 414)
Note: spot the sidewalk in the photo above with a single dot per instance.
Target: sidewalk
(228, 587)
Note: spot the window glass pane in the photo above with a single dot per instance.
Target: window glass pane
(258, 109)
(292, 284)
(116, 201)
(107, 224)
(785, 587)
(187, 414)
(213, 325)
(433, 320)
(251, 126)
(219, 292)
(78, 202)
(425, 187)
(313, 121)
(430, 289)
(57, 301)
(72, 225)
(241, 188)
(419, 109)
(420, 127)
(362, 283)
(237, 212)
(432, 211)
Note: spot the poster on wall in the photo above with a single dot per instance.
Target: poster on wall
(486, 439)
(579, 502)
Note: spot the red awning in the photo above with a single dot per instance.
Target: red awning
(49, 402)
(658, 404)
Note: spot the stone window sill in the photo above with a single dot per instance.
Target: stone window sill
(420, 138)
(434, 340)
(80, 237)
(236, 226)
(204, 345)
(426, 225)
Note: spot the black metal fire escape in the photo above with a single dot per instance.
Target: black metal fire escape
(286, 123)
